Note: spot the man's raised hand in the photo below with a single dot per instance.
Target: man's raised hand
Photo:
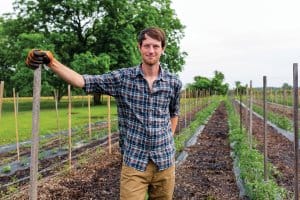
(37, 57)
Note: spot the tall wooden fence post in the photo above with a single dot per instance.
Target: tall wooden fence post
(109, 124)
(185, 111)
(250, 114)
(16, 124)
(70, 126)
(90, 123)
(35, 133)
(241, 113)
(296, 139)
(57, 116)
(1, 97)
(265, 129)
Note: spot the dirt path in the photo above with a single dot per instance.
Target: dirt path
(207, 172)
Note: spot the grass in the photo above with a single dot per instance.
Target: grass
(48, 120)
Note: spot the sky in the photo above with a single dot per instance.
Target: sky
(243, 39)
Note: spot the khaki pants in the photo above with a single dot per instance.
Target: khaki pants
(135, 184)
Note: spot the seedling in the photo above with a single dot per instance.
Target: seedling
(6, 169)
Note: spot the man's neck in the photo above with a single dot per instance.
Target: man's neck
(150, 70)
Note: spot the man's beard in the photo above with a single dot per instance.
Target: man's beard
(151, 62)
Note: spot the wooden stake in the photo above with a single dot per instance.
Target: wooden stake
(90, 123)
(70, 127)
(265, 129)
(109, 124)
(57, 116)
(35, 133)
(185, 111)
(296, 137)
(1, 97)
(16, 123)
(250, 114)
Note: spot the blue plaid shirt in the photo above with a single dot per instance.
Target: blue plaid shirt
(144, 115)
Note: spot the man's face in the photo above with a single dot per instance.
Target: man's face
(151, 50)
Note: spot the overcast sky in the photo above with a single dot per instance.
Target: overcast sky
(244, 39)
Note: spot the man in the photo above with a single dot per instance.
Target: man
(147, 98)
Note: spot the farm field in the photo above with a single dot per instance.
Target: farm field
(208, 171)
(100, 178)
(87, 85)
(53, 150)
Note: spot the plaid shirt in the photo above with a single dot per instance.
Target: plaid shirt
(144, 115)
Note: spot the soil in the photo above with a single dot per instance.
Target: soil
(206, 174)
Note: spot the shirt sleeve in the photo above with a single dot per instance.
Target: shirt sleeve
(175, 100)
(105, 84)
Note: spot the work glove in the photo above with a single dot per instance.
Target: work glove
(37, 57)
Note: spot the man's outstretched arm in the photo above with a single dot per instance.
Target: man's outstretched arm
(37, 57)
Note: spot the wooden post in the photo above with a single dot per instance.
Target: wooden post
(241, 113)
(250, 114)
(70, 127)
(90, 123)
(57, 116)
(296, 138)
(109, 124)
(1, 97)
(265, 129)
(185, 124)
(35, 133)
(16, 124)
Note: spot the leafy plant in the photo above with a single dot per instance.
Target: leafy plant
(6, 169)
(250, 162)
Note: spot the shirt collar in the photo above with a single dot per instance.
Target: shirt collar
(161, 75)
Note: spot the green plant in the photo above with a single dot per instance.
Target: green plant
(6, 169)
(250, 162)
(279, 120)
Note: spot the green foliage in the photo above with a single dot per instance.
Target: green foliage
(6, 169)
(214, 85)
(250, 162)
(87, 35)
(279, 120)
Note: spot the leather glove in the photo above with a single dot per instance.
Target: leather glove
(37, 57)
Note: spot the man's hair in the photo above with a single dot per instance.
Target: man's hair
(153, 32)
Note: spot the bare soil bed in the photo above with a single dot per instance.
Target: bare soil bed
(207, 173)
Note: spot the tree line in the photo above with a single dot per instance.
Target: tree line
(90, 36)
(215, 85)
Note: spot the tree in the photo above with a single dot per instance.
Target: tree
(286, 86)
(92, 65)
(101, 27)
